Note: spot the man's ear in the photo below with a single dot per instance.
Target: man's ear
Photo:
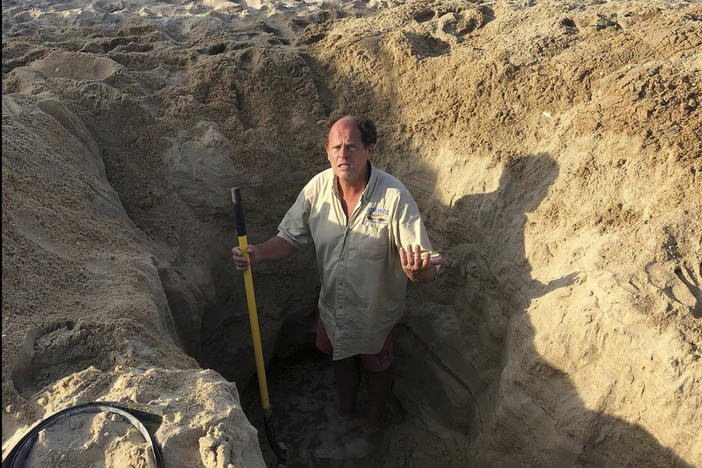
(371, 147)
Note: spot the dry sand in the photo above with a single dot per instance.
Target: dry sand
(553, 147)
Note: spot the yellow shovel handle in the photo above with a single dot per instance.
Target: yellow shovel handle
(251, 299)
(255, 331)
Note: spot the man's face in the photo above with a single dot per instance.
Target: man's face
(345, 150)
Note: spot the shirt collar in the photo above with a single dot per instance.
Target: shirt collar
(371, 182)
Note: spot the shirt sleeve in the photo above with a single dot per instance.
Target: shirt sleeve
(410, 227)
(294, 227)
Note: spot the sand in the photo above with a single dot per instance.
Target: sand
(553, 149)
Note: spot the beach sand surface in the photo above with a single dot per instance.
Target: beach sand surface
(553, 149)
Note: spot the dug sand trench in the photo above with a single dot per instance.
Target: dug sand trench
(553, 149)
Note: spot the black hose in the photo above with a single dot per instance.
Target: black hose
(19, 453)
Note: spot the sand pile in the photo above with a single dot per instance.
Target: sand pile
(553, 148)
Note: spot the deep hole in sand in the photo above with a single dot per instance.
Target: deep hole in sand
(303, 396)
(303, 393)
(301, 381)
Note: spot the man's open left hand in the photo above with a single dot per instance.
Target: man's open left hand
(419, 268)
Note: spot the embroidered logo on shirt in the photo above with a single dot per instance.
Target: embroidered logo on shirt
(377, 215)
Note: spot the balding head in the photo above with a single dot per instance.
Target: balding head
(365, 127)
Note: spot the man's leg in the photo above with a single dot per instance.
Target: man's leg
(347, 373)
(379, 382)
(379, 386)
(348, 377)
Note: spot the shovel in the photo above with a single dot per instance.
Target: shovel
(278, 448)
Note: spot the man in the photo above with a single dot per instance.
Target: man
(369, 238)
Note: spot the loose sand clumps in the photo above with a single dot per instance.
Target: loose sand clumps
(553, 148)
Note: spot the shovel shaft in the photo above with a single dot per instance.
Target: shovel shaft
(251, 299)
(255, 331)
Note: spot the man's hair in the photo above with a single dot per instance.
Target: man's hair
(369, 135)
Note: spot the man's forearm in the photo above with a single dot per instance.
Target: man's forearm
(275, 248)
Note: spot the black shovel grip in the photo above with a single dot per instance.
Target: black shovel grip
(238, 212)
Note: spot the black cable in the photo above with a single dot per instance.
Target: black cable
(19, 453)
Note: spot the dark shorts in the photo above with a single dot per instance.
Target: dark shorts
(373, 362)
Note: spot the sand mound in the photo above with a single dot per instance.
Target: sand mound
(553, 148)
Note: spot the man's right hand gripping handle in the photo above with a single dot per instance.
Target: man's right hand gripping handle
(240, 260)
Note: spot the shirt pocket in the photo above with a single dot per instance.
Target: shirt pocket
(371, 241)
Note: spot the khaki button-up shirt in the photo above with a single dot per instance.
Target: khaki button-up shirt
(362, 282)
